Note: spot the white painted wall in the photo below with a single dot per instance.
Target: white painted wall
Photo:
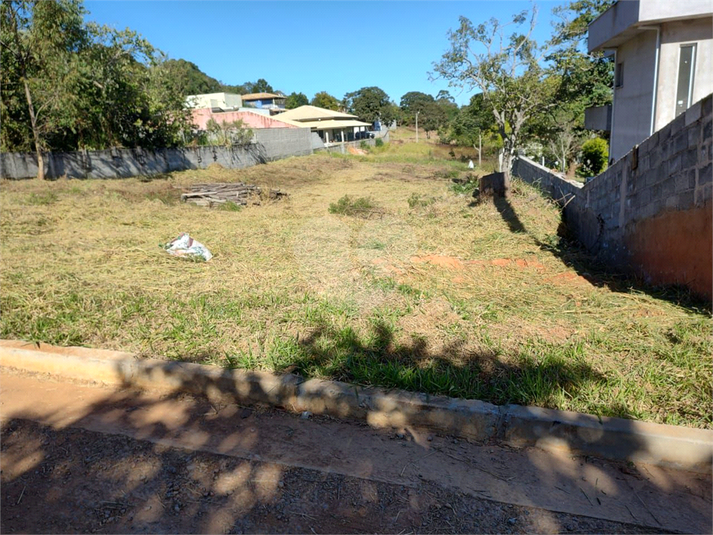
(673, 35)
(631, 115)
(214, 100)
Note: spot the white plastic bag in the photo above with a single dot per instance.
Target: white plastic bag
(186, 246)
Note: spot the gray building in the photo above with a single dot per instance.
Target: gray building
(663, 54)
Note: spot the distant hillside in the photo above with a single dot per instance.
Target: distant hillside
(193, 81)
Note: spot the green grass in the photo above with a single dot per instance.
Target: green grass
(435, 295)
(355, 207)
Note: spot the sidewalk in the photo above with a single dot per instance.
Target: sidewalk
(81, 457)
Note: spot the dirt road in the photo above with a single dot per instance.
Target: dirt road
(87, 458)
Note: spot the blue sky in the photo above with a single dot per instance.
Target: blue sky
(308, 47)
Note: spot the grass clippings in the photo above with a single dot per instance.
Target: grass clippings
(437, 295)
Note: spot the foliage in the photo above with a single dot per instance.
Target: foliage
(472, 124)
(595, 154)
(355, 207)
(228, 133)
(295, 100)
(584, 80)
(506, 70)
(260, 86)
(378, 142)
(325, 100)
(190, 79)
(371, 104)
(414, 102)
(68, 85)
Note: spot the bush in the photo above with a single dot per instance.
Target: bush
(379, 142)
(595, 154)
(416, 201)
(359, 207)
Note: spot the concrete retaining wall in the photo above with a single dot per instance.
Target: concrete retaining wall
(268, 144)
(651, 211)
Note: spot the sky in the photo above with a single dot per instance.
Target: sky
(308, 47)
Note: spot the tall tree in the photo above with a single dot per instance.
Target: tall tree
(40, 44)
(67, 84)
(325, 100)
(261, 86)
(415, 102)
(371, 104)
(295, 100)
(506, 69)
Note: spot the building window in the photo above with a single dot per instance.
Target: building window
(686, 64)
(619, 75)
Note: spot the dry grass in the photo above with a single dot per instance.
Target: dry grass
(437, 295)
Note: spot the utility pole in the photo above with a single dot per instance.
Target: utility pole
(417, 125)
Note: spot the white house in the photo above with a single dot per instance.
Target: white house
(663, 55)
(223, 101)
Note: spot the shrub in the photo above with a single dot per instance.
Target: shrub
(359, 207)
(416, 201)
(595, 154)
(379, 142)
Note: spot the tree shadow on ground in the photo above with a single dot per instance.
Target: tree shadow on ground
(377, 358)
(598, 273)
(128, 461)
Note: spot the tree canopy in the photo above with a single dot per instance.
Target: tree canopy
(295, 100)
(324, 100)
(371, 104)
(505, 69)
(68, 84)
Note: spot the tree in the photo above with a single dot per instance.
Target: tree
(295, 100)
(582, 80)
(39, 41)
(370, 104)
(414, 102)
(472, 124)
(261, 86)
(506, 70)
(190, 79)
(325, 100)
(67, 84)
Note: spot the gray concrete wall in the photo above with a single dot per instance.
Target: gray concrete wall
(673, 35)
(633, 101)
(651, 211)
(344, 147)
(268, 144)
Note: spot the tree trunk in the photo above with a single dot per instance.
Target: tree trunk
(35, 133)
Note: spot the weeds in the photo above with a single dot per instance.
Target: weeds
(42, 199)
(458, 302)
(354, 207)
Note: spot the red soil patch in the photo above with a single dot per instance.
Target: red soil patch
(455, 263)
(566, 278)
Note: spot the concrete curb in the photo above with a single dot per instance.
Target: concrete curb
(610, 438)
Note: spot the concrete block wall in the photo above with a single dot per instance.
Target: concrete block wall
(344, 147)
(652, 210)
(267, 145)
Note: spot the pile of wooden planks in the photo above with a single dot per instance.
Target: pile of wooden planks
(235, 192)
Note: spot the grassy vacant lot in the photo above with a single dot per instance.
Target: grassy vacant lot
(416, 288)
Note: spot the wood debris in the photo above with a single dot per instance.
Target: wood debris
(235, 192)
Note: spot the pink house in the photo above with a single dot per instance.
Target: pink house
(251, 120)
